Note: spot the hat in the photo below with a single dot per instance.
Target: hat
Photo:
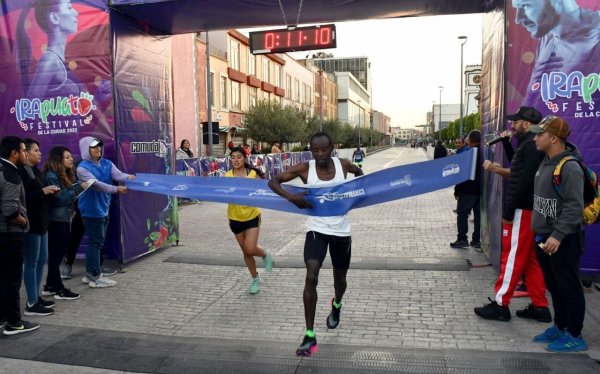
(96, 143)
(552, 125)
(526, 113)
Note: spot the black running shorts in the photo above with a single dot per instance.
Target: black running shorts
(340, 249)
(238, 227)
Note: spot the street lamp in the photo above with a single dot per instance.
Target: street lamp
(464, 39)
(359, 107)
(440, 115)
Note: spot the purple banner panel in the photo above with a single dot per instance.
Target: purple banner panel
(143, 91)
(554, 65)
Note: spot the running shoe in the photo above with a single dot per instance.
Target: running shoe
(541, 314)
(48, 291)
(460, 244)
(107, 272)
(308, 347)
(66, 294)
(333, 320)
(268, 262)
(493, 311)
(551, 334)
(67, 272)
(46, 303)
(255, 286)
(102, 282)
(37, 310)
(567, 343)
(20, 328)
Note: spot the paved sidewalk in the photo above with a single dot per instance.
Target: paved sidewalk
(198, 289)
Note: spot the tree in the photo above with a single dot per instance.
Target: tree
(270, 122)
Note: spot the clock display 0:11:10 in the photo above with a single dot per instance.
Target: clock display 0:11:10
(305, 38)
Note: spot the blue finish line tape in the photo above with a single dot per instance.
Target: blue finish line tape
(385, 185)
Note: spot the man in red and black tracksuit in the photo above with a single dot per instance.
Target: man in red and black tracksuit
(518, 245)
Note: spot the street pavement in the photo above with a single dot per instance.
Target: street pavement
(408, 292)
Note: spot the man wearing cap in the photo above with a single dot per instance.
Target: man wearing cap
(557, 223)
(94, 204)
(518, 247)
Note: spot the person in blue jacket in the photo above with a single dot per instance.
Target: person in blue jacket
(94, 203)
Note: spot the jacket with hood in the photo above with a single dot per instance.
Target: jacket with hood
(554, 214)
(523, 166)
(12, 200)
(95, 201)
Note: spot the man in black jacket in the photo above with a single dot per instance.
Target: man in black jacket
(518, 247)
(467, 195)
(13, 226)
(439, 151)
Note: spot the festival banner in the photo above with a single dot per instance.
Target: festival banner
(553, 64)
(143, 91)
(379, 187)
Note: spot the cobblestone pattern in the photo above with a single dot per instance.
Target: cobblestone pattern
(415, 309)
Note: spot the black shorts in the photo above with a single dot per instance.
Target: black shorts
(340, 249)
(238, 227)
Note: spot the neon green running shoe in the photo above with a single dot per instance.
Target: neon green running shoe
(255, 286)
(268, 262)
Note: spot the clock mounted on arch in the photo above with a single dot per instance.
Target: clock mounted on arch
(298, 39)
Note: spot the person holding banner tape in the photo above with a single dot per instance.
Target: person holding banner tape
(244, 221)
(323, 232)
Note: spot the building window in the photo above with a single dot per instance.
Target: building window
(296, 90)
(266, 70)
(235, 96)
(223, 92)
(306, 94)
(277, 69)
(212, 89)
(234, 54)
(252, 96)
(288, 86)
(251, 64)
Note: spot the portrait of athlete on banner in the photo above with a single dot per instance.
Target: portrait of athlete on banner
(569, 42)
(52, 77)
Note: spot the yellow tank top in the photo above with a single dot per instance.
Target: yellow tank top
(242, 213)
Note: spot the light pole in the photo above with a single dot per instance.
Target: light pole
(464, 39)
(440, 115)
(358, 102)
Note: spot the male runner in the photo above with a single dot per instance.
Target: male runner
(323, 232)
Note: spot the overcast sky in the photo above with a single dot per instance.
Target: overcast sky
(410, 58)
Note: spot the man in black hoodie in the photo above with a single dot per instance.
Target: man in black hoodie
(557, 223)
(518, 247)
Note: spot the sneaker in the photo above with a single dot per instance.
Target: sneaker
(102, 282)
(460, 244)
(308, 347)
(493, 311)
(67, 272)
(551, 334)
(541, 314)
(37, 310)
(333, 320)
(87, 278)
(475, 244)
(255, 286)
(268, 262)
(20, 328)
(66, 294)
(46, 303)
(567, 343)
(107, 272)
(48, 291)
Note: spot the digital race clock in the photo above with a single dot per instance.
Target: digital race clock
(298, 39)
